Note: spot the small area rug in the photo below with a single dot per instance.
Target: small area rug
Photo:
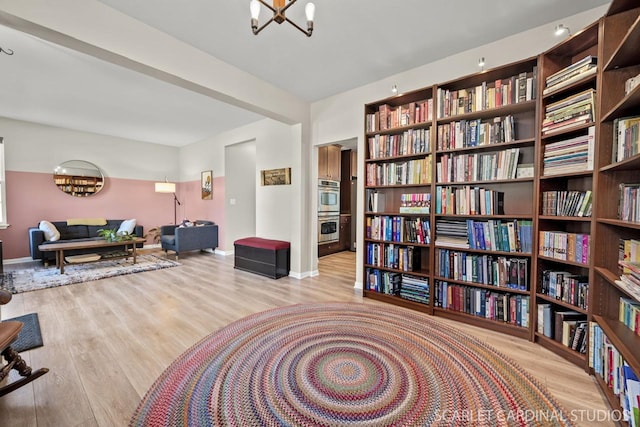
(31, 279)
(30, 335)
(344, 364)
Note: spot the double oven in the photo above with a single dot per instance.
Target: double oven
(328, 211)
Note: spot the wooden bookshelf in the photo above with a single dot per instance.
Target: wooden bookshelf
(621, 35)
(556, 175)
(459, 107)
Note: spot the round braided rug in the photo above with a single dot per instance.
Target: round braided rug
(344, 364)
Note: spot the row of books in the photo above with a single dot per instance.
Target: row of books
(414, 289)
(572, 111)
(629, 202)
(608, 363)
(400, 173)
(415, 203)
(404, 285)
(503, 272)
(515, 89)
(469, 200)
(496, 165)
(397, 257)
(503, 307)
(490, 235)
(568, 287)
(570, 155)
(566, 327)
(567, 203)
(411, 141)
(474, 133)
(565, 246)
(575, 72)
(391, 117)
(398, 229)
(626, 138)
(630, 314)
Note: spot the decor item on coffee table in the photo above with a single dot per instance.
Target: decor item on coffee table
(31, 279)
(199, 235)
(344, 364)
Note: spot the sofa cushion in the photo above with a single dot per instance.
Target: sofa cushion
(51, 233)
(169, 239)
(69, 232)
(127, 226)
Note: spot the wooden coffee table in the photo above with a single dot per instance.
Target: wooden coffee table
(60, 248)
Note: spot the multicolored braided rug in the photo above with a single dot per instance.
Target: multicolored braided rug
(344, 364)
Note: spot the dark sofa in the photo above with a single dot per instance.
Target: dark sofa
(73, 233)
(203, 235)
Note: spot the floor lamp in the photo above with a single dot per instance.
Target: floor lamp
(170, 187)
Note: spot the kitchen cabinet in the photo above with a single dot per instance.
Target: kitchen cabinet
(329, 162)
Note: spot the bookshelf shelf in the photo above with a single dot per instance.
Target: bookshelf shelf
(567, 175)
(555, 301)
(407, 186)
(500, 145)
(400, 129)
(565, 132)
(497, 217)
(561, 261)
(395, 158)
(488, 182)
(630, 164)
(494, 325)
(480, 251)
(620, 223)
(483, 286)
(573, 356)
(423, 273)
(396, 300)
(626, 106)
(564, 218)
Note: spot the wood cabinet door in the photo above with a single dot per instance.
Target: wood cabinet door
(333, 162)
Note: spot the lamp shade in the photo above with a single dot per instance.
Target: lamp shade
(165, 187)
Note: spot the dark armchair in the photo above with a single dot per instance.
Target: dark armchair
(202, 235)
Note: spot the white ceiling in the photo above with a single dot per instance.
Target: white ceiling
(354, 43)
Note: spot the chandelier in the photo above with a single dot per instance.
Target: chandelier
(279, 10)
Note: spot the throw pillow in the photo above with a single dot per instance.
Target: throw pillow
(127, 227)
(50, 231)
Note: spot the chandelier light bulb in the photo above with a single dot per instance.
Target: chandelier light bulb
(394, 89)
(310, 11)
(481, 62)
(254, 6)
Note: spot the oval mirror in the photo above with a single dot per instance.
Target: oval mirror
(78, 178)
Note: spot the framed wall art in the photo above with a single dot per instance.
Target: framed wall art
(280, 176)
(207, 185)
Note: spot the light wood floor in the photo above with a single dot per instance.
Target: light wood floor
(107, 341)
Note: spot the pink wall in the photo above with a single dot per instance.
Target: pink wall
(32, 197)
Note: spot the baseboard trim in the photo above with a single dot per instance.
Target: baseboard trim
(357, 285)
(19, 260)
(304, 275)
(223, 253)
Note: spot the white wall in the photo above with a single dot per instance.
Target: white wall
(341, 116)
(31, 147)
(240, 191)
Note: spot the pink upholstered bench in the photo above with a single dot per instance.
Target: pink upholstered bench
(267, 257)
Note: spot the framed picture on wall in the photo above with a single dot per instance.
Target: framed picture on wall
(207, 185)
(280, 176)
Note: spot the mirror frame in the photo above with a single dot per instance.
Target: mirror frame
(78, 178)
